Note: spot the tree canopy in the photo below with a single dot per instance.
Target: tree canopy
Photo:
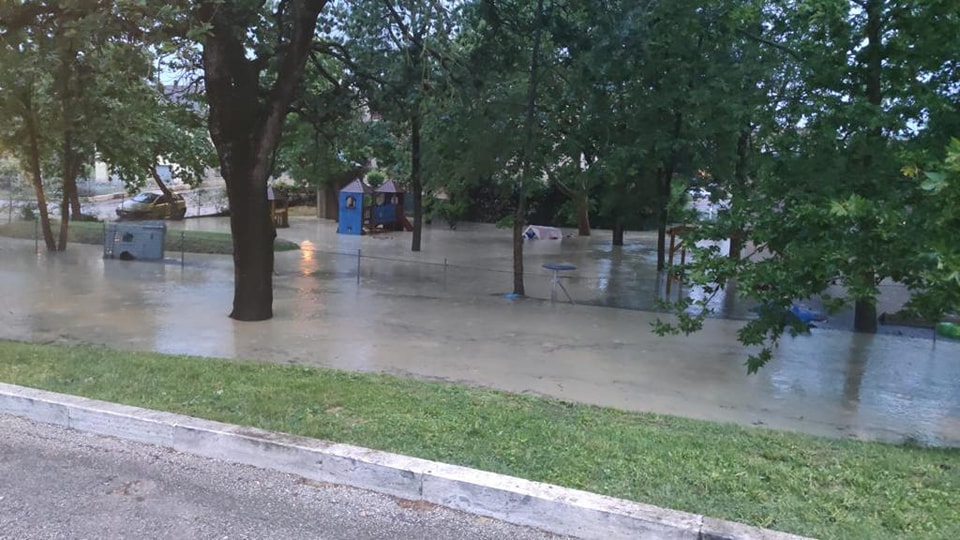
(825, 125)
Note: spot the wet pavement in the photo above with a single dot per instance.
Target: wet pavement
(208, 200)
(413, 315)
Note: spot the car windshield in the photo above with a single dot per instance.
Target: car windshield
(145, 197)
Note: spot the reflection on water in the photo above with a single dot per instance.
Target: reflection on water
(860, 345)
(443, 322)
(878, 381)
(307, 258)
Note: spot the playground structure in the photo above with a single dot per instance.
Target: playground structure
(278, 209)
(365, 210)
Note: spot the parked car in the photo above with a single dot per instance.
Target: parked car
(153, 205)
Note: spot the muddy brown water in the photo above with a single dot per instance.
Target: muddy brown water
(411, 315)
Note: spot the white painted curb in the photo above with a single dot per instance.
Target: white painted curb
(514, 500)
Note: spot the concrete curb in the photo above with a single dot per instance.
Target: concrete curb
(514, 500)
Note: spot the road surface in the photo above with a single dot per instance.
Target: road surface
(59, 483)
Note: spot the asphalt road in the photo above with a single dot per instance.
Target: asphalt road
(58, 483)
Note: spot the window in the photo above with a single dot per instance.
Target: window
(145, 197)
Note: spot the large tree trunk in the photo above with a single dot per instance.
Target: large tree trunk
(69, 189)
(64, 220)
(416, 183)
(736, 245)
(37, 177)
(618, 229)
(740, 186)
(865, 315)
(865, 309)
(245, 122)
(68, 182)
(253, 235)
(518, 223)
(582, 200)
(75, 212)
(520, 214)
(663, 199)
(664, 179)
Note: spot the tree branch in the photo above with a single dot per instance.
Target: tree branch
(770, 43)
(323, 71)
(304, 14)
(397, 18)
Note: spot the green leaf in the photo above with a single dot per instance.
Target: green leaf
(934, 181)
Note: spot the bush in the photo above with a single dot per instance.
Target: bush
(376, 178)
(27, 213)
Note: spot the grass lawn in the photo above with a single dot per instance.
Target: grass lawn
(802, 484)
(90, 232)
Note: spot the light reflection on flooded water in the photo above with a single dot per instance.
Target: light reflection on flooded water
(452, 322)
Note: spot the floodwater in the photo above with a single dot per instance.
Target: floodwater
(412, 315)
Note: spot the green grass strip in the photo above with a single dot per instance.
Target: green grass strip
(89, 232)
(802, 484)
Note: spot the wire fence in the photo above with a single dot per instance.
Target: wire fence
(447, 264)
(620, 288)
(629, 285)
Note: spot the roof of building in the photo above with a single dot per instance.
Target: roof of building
(357, 186)
(390, 187)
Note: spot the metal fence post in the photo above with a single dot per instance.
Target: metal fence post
(36, 234)
(358, 267)
(181, 250)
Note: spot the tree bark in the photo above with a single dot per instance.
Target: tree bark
(865, 309)
(245, 122)
(518, 222)
(740, 186)
(37, 177)
(416, 183)
(253, 258)
(664, 179)
(68, 180)
(75, 211)
(865, 316)
(736, 246)
(618, 229)
(663, 196)
(167, 194)
(69, 189)
(519, 216)
(582, 200)
(64, 221)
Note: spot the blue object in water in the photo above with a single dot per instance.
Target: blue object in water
(511, 296)
(805, 315)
